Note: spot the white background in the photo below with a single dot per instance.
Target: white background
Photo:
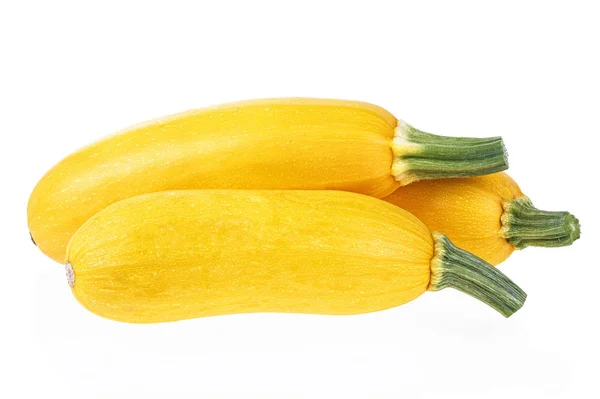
(72, 72)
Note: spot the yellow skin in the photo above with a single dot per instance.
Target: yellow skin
(260, 144)
(468, 211)
(184, 254)
(293, 143)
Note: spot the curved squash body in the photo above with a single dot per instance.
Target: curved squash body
(468, 211)
(261, 144)
(293, 143)
(183, 254)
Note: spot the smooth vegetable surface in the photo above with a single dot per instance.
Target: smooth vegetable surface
(183, 254)
(263, 144)
(488, 216)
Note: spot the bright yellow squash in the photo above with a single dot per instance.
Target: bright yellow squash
(263, 144)
(182, 254)
(486, 215)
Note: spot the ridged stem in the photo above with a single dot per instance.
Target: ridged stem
(419, 155)
(456, 268)
(524, 225)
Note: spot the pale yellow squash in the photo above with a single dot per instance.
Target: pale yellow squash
(289, 143)
(183, 254)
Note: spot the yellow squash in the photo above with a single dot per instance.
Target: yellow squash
(486, 215)
(289, 143)
(182, 254)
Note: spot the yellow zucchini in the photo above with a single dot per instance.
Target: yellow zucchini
(292, 143)
(488, 216)
(177, 255)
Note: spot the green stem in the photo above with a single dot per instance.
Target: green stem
(419, 155)
(524, 225)
(461, 270)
